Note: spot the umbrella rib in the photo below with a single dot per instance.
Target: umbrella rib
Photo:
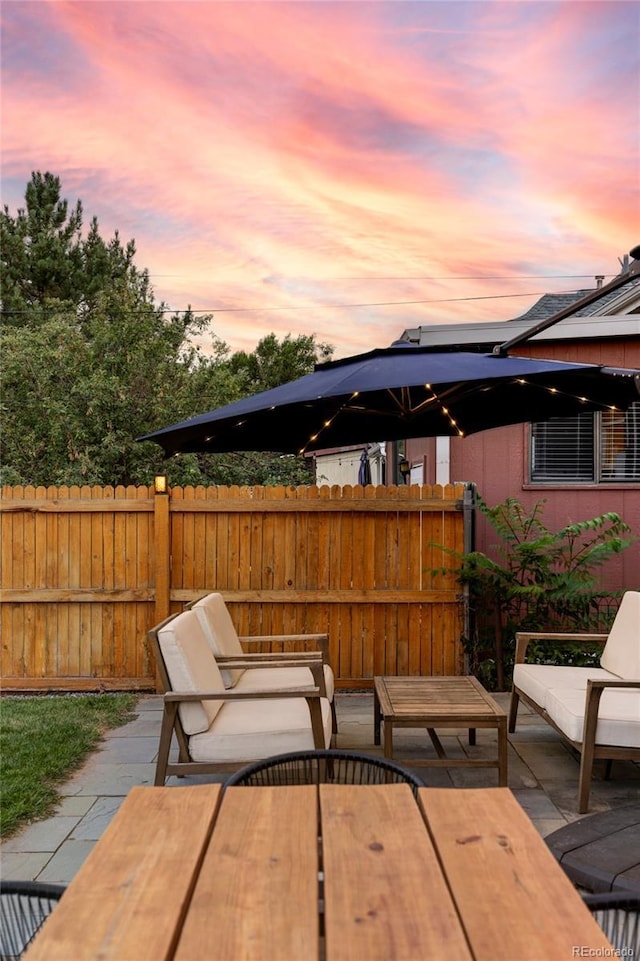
(329, 421)
(403, 403)
(439, 400)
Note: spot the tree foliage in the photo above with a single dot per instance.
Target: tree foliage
(539, 579)
(90, 361)
(273, 362)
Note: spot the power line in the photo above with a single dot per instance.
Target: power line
(467, 277)
(228, 310)
(378, 303)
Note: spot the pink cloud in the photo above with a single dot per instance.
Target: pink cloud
(261, 153)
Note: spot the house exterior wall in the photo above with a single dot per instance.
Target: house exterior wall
(497, 460)
(342, 467)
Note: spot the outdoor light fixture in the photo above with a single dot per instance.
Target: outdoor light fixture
(404, 468)
(160, 484)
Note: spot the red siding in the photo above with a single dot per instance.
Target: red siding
(496, 461)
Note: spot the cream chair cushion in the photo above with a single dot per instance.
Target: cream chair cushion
(219, 629)
(249, 730)
(217, 625)
(535, 680)
(621, 654)
(282, 679)
(618, 715)
(191, 667)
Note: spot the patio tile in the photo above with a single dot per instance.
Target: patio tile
(190, 779)
(546, 767)
(149, 702)
(537, 734)
(109, 779)
(604, 795)
(146, 725)
(520, 777)
(536, 804)
(23, 866)
(128, 749)
(432, 776)
(564, 794)
(65, 862)
(423, 748)
(77, 806)
(552, 747)
(547, 826)
(45, 835)
(93, 824)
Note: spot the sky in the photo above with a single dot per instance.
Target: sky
(342, 169)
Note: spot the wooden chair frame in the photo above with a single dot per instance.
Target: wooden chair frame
(171, 723)
(588, 750)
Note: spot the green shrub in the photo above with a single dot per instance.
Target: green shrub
(538, 580)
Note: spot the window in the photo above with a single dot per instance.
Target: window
(589, 448)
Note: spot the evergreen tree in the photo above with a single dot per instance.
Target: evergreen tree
(90, 361)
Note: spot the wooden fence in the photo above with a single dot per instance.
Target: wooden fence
(86, 571)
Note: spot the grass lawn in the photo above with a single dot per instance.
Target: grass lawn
(42, 741)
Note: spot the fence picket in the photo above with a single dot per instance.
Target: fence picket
(79, 565)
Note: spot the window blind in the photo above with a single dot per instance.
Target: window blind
(587, 448)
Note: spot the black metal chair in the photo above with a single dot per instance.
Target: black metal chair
(324, 767)
(24, 907)
(618, 914)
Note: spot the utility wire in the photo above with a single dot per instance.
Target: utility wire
(380, 303)
(466, 277)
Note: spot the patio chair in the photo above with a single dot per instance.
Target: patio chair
(218, 729)
(618, 914)
(323, 767)
(225, 643)
(595, 709)
(24, 907)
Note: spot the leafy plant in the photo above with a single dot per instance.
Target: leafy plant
(538, 579)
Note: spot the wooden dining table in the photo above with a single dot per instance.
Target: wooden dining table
(335, 872)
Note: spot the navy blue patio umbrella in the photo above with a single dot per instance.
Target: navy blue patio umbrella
(400, 392)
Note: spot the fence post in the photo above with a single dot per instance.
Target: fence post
(162, 549)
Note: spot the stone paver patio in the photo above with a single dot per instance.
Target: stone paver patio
(543, 775)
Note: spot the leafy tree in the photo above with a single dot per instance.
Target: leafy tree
(275, 362)
(90, 362)
(74, 403)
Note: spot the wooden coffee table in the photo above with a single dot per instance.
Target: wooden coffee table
(434, 702)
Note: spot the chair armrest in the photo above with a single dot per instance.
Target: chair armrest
(312, 662)
(595, 690)
(231, 695)
(271, 659)
(523, 638)
(620, 682)
(321, 641)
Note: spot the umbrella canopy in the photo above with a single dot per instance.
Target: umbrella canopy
(400, 392)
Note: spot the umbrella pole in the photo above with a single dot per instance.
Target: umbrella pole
(391, 468)
(499, 651)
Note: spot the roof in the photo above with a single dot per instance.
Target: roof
(598, 317)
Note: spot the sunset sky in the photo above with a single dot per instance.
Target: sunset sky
(347, 169)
